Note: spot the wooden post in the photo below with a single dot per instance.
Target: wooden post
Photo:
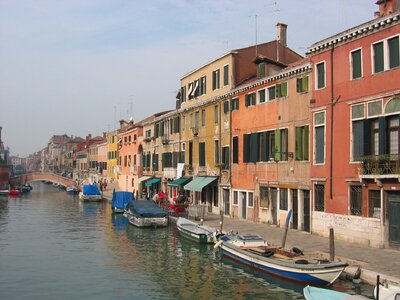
(286, 228)
(331, 244)
(221, 223)
(377, 287)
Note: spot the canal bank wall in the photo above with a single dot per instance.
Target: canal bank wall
(371, 261)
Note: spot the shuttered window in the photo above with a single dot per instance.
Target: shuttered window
(254, 147)
(226, 106)
(261, 96)
(155, 161)
(302, 84)
(393, 45)
(202, 154)
(246, 148)
(261, 70)
(271, 93)
(250, 99)
(226, 75)
(356, 64)
(320, 75)
(225, 158)
(216, 152)
(378, 57)
(319, 133)
(302, 143)
(235, 150)
(235, 104)
(277, 145)
(281, 89)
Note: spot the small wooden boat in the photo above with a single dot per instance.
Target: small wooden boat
(196, 232)
(387, 292)
(253, 251)
(315, 293)
(4, 192)
(145, 213)
(14, 192)
(90, 192)
(120, 200)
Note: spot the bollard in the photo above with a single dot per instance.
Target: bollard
(221, 223)
(331, 244)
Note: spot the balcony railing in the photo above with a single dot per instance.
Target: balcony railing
(388, 164)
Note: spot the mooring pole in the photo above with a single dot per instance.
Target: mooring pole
(221, 223)
(286, 228)
(331, 244)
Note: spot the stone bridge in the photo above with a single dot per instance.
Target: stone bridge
(37, 176)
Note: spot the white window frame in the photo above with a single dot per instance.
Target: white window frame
(314, 138)
(316, 75)
(351, 64)
(267, 93)
(258, 96)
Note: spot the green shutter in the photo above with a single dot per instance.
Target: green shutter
(319, 144)
(320, 75)
(305, 84)
(306, 146)
(378, 57)
(299, 144)
(262, 137)
(277, 144)
(394, 53)
(278, 90)
(202, 154)
(358, 137)
(246, 148)
(235, 152)
(356, 60)
(284, 89)
(299, 85)
(254, 147)
(226, 106)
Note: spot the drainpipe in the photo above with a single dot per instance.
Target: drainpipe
(331, 130)
(220, 148)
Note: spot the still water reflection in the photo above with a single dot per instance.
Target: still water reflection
(54, 247)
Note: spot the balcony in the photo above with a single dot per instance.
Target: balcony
(169, 173)
(380, 166)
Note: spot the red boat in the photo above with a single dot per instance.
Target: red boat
(14, 193)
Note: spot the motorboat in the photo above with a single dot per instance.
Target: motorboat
(196, 232)
(145, 213)
(90, 192)
(120, 200)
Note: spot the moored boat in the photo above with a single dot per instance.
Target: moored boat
(253, 251)
(14, 192)
(90, 192)
(387, 292)
(315, 293)
(72, 189)
(196, 232)
(120, 200)
(145, 213)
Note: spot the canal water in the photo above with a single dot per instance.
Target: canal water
(52, 246)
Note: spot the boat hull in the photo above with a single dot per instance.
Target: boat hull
(195, 232)
(147, 221)
(90, 198)
(311, 274)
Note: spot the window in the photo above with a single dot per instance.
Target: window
(302, 84)
(166, 160)
(250, 199)
(190, 90)
(235, 104)
(196, 88)
(215, 79)
(281, 90)
(264, 197)
(202, 154)
(319, 133)
(378, 57)
(148, 133)
(281, 144)
(235, 150)
(271, 93)
(203, 118)
(374, 204)
(356, 200)
(261, 96)
(203, 85)
(235, 198)
(319, 197)
(302, 142)
(225, 158)
(226, 106)
(216, 113)
(155, 161)
(183, 122)
(197, 120)
(356, 64)
(216, 152)
(261, 70)
(226, 75)
(283, 199)
(250, 99)
(183, 94)
(394, 54)
(320, 75)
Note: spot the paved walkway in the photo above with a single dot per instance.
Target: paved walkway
(372, 261)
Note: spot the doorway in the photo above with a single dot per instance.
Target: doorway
(295, 206)
(393, 217)
(307, 213)
(243, 204)
(225, 196)
(274, 204)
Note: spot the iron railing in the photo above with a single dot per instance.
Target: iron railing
(388, 164)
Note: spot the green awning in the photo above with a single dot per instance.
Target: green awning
(152, 181)
(180, 181)
(199, 183)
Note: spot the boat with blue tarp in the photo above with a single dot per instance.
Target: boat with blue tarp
(145, 213)
(90, 192)
(120, 200)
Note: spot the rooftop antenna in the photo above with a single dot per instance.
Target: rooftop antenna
(255, 21)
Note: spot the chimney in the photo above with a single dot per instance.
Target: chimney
(387, 7)
(281, 34)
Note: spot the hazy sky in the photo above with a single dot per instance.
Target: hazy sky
(78, 66)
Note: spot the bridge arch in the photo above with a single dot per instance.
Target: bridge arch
(37, 176)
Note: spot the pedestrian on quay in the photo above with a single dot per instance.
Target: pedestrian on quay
(105, 184)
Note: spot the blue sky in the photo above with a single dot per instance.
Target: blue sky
(78, 66)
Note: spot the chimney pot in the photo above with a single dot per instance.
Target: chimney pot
(281, 34)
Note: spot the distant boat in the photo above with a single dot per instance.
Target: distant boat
(90, 193)
(315, 293)
(145, 213)
(4, 192)
(72, 189)
(120, 200)
(14, 192)
(252, 250)
(196, 232)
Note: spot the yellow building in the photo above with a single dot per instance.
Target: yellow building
(112, 155)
